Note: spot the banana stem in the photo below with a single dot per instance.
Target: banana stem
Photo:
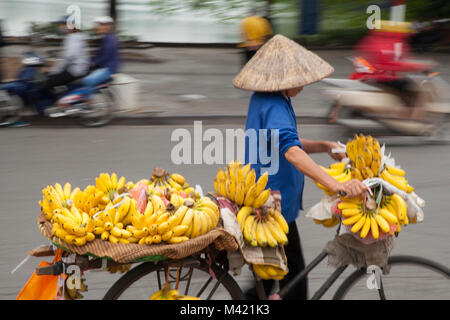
(258, 214)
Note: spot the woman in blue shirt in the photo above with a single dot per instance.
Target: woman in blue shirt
(276, 74)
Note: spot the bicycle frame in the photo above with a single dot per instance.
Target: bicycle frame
(326, 285)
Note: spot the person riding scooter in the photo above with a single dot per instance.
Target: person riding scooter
(106, 61)
(255, 30)
(382, 55)
(75, 59)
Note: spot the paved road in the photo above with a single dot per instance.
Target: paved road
(33, 157)
(198, 81)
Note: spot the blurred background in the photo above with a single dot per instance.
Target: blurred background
(177, 62)
(217, 21)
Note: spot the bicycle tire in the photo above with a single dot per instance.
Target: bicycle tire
(353, 278)
(146, 268)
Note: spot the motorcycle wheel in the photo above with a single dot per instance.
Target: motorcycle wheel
(100, 111)
(10, 109)
(442, 131)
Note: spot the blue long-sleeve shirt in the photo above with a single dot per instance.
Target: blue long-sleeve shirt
(273, 112)
(108, 54)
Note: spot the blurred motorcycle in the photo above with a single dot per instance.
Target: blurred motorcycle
(415, 105)
(97, 110)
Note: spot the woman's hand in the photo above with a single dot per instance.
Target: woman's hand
(330, 145)
(352, 189)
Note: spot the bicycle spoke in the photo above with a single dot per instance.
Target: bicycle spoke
(213, 290)
(204, 286)
(324, 288)
(129, 286)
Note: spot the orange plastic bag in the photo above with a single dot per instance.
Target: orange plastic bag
(41, 287)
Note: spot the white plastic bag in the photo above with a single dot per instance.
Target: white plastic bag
(323, 209)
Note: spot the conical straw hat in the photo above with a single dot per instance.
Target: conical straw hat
(281, 64)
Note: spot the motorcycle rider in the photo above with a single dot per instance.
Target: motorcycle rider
(75, 59)
(73, 65)
(255, 30)
(106, 61)
(384, 53)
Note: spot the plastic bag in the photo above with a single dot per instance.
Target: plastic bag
(43, 287)
(139, 193)
(323, 210)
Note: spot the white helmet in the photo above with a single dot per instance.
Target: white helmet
(104, 20)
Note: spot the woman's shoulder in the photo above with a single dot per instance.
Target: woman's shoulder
(265, 100)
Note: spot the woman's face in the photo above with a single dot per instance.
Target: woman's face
(291, 93)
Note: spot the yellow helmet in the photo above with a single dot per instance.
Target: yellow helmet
(395, 26)
(255, 30)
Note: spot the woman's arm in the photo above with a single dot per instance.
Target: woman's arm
(303, 162)
(313, 146)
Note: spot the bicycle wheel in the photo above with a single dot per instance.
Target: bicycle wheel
(410, 278)
(147, 278)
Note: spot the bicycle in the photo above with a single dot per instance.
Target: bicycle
(206, 275)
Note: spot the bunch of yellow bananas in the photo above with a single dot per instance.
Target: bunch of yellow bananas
(174, 224)
(72, 226)
(263, 229)
(179, 183)
(338, 170)
(239, 185)
(170, 294)
(158, 179)
(388, 218)
(365, 154)
(365, 162)
(174, 182)
(160, 223)
(91, 200)
(109, 184)
(110, 223)
(267, 271)
(396, 205)
(396, 177)
(129, 185)
(57, 197)
(328, 223)
(204, 217)
(106, 211)
(175, 198)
